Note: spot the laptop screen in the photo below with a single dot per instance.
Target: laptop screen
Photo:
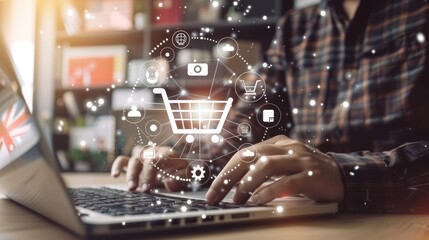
(18, 131)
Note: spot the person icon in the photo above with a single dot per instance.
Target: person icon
(134, 113)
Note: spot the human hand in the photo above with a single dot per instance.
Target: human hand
(146, 175)
(302, 170)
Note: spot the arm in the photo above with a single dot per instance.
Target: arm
(391, 181)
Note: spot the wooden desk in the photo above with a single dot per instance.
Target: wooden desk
(19, 223)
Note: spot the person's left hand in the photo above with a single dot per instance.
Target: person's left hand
(302, 170)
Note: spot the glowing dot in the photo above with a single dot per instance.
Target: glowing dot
(352, 173)
(312, 102)
(203, 216)
(158, 202)
(153, 127)
(249, 178)
(345, 104)
(290, 152)
(183, 209)
(89, 104)
(225, 181)
(310, 173)
(93, 108)
(189, 202)
(263, 159)
(124, 223)
(100, 101)
(160, 4)
(215, 4)
(357, 168)
(323, 13)
(190, 139)
(421, 37)
(235, 3)
(279, 209)
(264, 18)
(373, 51)
(295, 111)
(215, 139)
(70, 12)
(252, 167)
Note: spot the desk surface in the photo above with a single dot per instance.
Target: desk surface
(19, 223)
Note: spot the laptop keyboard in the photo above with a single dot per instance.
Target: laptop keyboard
(119, 203)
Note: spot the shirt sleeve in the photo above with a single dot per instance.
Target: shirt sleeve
(391, 181)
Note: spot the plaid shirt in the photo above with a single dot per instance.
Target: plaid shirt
(358, 90)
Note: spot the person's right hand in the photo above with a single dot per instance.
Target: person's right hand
(146, 176)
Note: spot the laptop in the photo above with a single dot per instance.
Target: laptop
(30, 176)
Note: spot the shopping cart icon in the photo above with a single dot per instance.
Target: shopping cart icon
(249, 90)
(195, 116)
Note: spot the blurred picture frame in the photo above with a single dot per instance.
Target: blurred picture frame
(93, 66)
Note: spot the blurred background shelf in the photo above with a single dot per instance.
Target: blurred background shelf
(254, 23)
(101, 37)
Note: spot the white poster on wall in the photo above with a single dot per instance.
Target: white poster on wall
(305, 3)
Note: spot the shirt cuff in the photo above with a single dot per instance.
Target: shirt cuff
(369, 185)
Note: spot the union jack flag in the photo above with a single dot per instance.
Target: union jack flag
(14, 123)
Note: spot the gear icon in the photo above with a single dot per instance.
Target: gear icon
(198, 173)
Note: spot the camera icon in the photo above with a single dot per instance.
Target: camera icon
(198, 69)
